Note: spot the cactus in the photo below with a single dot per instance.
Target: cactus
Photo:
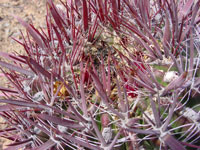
(106, 75)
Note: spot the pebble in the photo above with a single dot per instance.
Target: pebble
(170, 76)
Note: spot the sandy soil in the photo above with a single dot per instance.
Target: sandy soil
(32, 11)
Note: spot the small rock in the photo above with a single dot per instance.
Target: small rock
(170, 76)
(6, 24)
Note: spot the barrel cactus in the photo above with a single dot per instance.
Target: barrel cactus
(106, 75)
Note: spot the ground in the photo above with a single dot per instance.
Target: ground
(29, 10)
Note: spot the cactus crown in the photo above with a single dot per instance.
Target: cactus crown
(106, 74)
